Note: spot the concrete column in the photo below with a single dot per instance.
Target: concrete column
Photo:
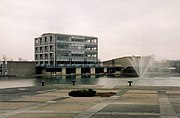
(78, 76)
(105, 70)
(63, 71)
(92, 71)
(93, 76)
(64, 77)
(58, 73)
(43, 71)
(78, 71)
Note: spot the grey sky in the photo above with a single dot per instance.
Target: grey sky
(124, 27)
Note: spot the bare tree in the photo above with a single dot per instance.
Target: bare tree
(20, 59)
(4, 58)
(10, 59)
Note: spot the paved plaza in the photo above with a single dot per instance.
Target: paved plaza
(54, 102)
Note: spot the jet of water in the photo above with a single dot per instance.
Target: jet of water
(141, 64)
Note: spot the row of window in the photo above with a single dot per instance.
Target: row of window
(66, 62)
(75, 48)
(44, 49)
(44, 40)
(46, 57)
(51, 57)
(44, 43)
(79, 39)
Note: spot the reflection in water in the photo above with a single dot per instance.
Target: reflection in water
(16, 82)
(89, 80)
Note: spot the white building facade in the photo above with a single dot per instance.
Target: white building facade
(62, 50)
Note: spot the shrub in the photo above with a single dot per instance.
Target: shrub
(82, 93)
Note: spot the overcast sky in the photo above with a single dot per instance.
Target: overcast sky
(124, 27)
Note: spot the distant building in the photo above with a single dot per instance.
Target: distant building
(62, 50)
(122, 61)
(123, 64)
(17, 68)
(3, 67)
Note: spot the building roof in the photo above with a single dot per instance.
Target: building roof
(67, 35)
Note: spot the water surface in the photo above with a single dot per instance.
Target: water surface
(89, 80)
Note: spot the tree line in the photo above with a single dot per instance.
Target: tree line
(5, 58)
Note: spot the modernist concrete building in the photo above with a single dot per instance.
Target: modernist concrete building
(62, 50)
(17, 68)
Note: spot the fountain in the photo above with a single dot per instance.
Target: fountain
(141, 64)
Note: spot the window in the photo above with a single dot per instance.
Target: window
(41, 57)
(36, 50)
(36, 57)
(45, 40)
(46, 62)
(40, 41)
(63, 46)
(77, 40)
(78, 55)
(41, 49)
(51, 49)
(36, 41)
(63, 38)
(65, 53)
(46, 49)
(51, 56)
(46, 56)
(51, 40)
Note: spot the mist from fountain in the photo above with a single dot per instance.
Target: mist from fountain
(141, 64)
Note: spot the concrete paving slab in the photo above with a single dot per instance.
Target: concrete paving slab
(176, 108)
(44, 115)
(138, 98)
(143, 91)
(14, 105)
(174, 100)
(94, 109)
(131, 108)
(73, 104)
(167, 110)
(84, 99)
(1, 112)
(66, 107)
(173, 92)
(168, 116)
(36, 99)
(123, 116)
(173, 95)
(165, 105)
